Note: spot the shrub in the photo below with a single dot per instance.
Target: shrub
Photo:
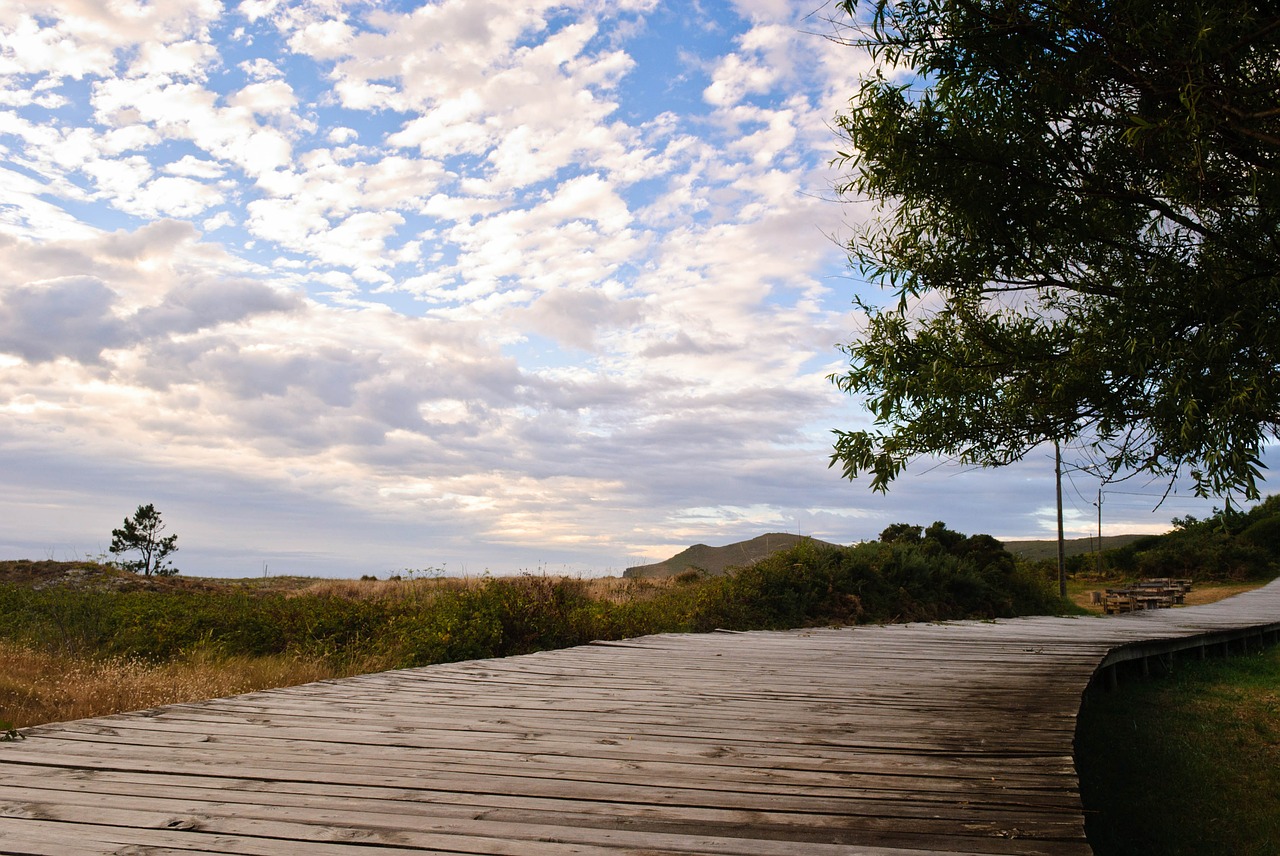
(1232, 545)
(933, 578)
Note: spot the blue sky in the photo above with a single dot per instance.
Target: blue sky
(353, 287)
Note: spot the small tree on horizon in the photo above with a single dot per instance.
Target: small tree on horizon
(141, 533)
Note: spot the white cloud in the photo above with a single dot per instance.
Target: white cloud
(120, 178)
(171, 196)
(194, 167)
(268, 98)
(736, 77)
(576, 236)
(82, 38)
(307, 206)
(218, 221)
(23, 97)
(285, 223)
(261, 69)
(188, 59)
(449, 127)
(342, 135)
(767, 10)
(255, 9)
(28, 213)
(128, 138)
(360, 239)
(777, 137)
(188, 111)
(323, 39)
(532, 109)
(28, 48)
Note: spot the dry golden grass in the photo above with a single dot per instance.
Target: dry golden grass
(385, 590)
(38, 686)
(619, 590)
(614, 589)
(1211, 592)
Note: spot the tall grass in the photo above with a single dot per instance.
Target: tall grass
(39, 685)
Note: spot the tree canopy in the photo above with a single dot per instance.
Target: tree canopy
(1079, 215)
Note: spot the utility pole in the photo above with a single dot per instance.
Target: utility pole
(1097, 557)
(1062, 549)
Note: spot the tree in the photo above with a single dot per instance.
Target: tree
(141, 533)
(901, 533)
(1079, 214)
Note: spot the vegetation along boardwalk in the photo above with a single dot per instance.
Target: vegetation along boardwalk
(908, 739)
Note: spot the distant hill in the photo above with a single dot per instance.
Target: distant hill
(1071, 546)
(715, 561)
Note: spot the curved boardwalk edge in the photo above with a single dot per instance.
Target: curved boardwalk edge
(900, 740)
(1238, 624)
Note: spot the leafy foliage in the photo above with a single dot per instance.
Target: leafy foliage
(1232, 545)
(933, 576)
(141, 534)
(1079, 220)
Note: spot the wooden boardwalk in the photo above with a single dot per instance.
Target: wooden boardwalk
(884, 741)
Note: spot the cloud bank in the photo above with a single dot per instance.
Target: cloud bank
(346, 287)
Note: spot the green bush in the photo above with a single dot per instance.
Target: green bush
(933, 577)
(1232, 545)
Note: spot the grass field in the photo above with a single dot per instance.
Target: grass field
(1187, 764)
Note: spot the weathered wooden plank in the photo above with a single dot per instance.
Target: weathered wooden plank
(423, 815)
(959, 767)
(479, 794)
(370, 721)
(826, 743)
(718, 796)
(722, 794)
(208, 829)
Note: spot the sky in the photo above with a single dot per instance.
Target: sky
(349, 288)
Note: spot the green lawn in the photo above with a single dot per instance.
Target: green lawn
(1187, 764)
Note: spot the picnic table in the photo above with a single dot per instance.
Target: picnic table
(1157, 593)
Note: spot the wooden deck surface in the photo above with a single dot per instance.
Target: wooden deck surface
(885, 741)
